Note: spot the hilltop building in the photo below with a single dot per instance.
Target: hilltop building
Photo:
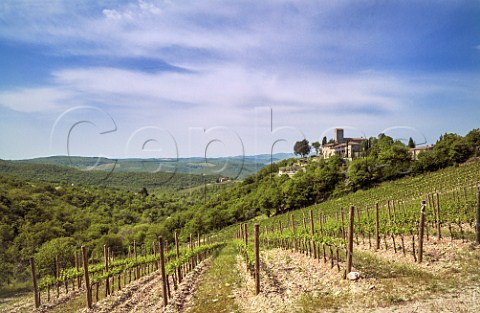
(415, 151)
(342, 146)
(291, 170)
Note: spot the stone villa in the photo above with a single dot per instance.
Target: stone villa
(342, 146)
(415, 151)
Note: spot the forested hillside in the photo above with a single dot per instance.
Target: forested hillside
(131, 181)
(319, 179)
(237, 167)
(51, 218)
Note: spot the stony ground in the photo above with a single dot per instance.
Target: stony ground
(292, 282)
(447, 281)
(145, 295)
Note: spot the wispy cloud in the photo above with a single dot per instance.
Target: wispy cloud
(210, 63)
(280, 33)
(37, 99)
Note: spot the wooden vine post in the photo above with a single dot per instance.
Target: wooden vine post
(77, 266)
(377, 228)
(35, 284)
(312, 222)
(422, 229)
(439, 230)
(87, 277)
(137, 269)
(294, 237)
(312, 227)
(107, 279)
(478, 219)
(57, 276)
(162, 270)
(257, 259)
(199, 258)
(350, 239)
(389, 212)
(245, 226)
(191, 261)
(177, 254)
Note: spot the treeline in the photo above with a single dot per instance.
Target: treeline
(64, 176)
(45, 220)
(234, 167)
(387, 159)
(318, 179)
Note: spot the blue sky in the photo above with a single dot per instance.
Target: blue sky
(188, 78)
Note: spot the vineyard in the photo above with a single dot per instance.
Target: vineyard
(98, 280)
(416, 222)
(408, 242)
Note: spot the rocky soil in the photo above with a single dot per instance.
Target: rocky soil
(145, 295)
(293, 282)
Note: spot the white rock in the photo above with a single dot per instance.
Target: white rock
(353, 275)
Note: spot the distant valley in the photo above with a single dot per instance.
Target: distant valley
(134, 174)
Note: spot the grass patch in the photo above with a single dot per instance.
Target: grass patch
(391, 283)
(464, 266)
(15, 293)
(398, 282)
(77, 303)
(372, 267)
(215, 291)
(323, 301)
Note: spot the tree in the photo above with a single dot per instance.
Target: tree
(324, 140)
(363, 173)
(411, 143)
(63, 248)
(316, 146)
(143, 192)
(394, 160)
(302, 148)
(473, 141)
(425, 162)
(451, 149)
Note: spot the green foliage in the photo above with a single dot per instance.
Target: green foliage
(62, 248)
(411, 143)
(473, 141)
(363, 172)
(316, 145)
(302, 148)
(118, 266)
(132, 181)
(324, 140)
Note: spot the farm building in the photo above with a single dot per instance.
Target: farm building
(342, 146)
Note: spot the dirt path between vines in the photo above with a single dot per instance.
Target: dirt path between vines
(292, 282)
(145, 295)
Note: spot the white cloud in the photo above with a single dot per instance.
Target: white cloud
(280, 34)
(308, 60)
(234, 86)
(35, 99)
(181, 32)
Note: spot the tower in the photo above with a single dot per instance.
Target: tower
(338, 135)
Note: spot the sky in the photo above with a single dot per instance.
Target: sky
(211, 78)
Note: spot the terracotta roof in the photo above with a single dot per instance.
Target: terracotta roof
(350, 142)
(422, 148)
